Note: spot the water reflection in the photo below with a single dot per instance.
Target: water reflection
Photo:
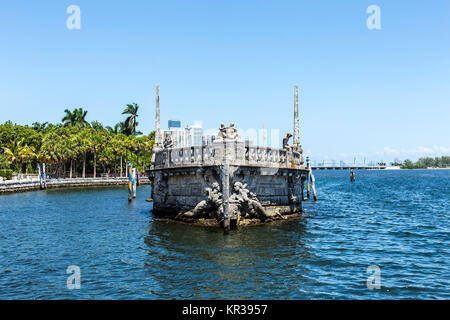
(240, 265)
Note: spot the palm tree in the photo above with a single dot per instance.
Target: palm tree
(118, 128)
(131, 121)
(75, 117)
(121, 138)
(27, 153)
(84, 139)
(97, 125)
(97, 142)
(39, 127)
(12, 152)
(17, 152)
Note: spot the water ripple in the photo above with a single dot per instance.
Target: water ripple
(395, 220)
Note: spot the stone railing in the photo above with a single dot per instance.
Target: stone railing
(236, 152)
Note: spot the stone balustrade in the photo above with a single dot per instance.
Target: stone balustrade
(237, 153)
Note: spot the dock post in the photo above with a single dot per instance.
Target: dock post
(134, 182)
(308, 179)
(313, 185)
(130, 181)
(44, 175)
(226, 194)
(40, 175)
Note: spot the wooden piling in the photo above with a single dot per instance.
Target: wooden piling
(44, 176)
(40, 175)
(134, 182)
(313, 185)
(307, 184)
(130, 181)
(308, 178)
(352, 176)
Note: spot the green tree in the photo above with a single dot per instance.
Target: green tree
(75, 117)
(131, 121)
(19, 153)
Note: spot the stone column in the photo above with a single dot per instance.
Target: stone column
(158, 140)
(296, 139)
(226, 192)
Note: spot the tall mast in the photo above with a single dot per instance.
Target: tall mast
(158, 141)
(296, 139)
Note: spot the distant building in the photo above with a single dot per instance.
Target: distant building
(174, 124)
(184, 137)
(208, 139)
(196, 134)
(178, 136)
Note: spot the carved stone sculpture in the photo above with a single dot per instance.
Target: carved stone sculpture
(286, 140)
(242, 203)
(227, 133)
(212, 204)
(222, 133)
(248, 203)
(168, 142)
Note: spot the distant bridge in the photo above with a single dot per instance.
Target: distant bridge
(348, 167)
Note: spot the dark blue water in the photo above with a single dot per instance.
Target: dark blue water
(396, 220)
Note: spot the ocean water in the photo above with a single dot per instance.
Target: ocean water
(395, 221)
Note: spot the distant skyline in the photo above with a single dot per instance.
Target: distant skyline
(374, 94)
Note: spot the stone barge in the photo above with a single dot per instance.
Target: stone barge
(227, 183)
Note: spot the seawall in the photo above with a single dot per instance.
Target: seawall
(7, 187)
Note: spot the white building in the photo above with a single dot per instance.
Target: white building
(185, 137)
(196, 134)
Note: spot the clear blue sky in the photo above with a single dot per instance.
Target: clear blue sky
(378, 94)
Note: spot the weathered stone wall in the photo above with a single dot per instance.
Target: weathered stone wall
(264, 183)
(179, 190)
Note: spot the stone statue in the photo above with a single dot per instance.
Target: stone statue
(249, 204)
(222, 133)
(286, 140)
(212, 204)
(232, 132)
(242, 203)
(227, 133)
(168, 142)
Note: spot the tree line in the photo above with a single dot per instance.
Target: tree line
(76, 147)
(423, 163)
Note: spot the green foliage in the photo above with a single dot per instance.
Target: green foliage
(75, 145)
(131, 121)
(75, 117)
(4, 162)
(6, 173)
(423, 163)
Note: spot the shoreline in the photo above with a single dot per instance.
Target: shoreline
(10, 187)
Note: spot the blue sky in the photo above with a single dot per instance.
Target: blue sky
(378, 94)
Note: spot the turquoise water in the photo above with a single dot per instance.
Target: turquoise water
(396, 220)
